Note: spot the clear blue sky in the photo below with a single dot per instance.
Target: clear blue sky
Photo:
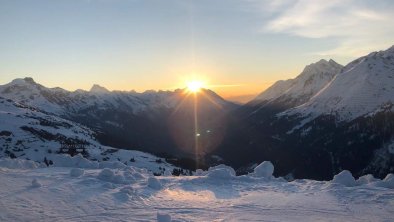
(144, 44)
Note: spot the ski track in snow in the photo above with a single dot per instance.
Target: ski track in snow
(196, 198)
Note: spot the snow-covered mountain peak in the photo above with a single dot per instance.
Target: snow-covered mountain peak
(296, 91)
(22, 81)
(363, 86)
(321, 67)
(98, 89)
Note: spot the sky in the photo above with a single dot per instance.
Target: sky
(239, 48)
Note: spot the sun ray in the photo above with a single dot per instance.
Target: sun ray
(187, 94)
(196, 133)
(211, 100)
(195, 86)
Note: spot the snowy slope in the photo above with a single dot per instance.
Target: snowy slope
(299, 90)
(149, 121)
(28, 133)
(277, 89)
(364, 86)
(131, 194)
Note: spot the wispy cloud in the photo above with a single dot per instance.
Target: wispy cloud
(360, 26)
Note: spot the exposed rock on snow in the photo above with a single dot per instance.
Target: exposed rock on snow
(345, 178)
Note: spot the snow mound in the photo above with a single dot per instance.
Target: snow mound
(366, 179)
(75, 161)
(388, 181)
(221, 172)
(264, 169)
(112, 165)
(35, 183)
(18, 164)
(118, 178)
(163, 217)
(345, 178)
(76, 172)
(127, 190)
(108, 185)
(154, 183)
(109, 175)
(106, 175)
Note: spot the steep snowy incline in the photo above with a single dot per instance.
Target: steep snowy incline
(132, 194)
(28, 133)
(365, 85)
(276, 90)
(299, 90)
(28, 92)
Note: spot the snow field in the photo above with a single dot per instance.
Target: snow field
(31, 193)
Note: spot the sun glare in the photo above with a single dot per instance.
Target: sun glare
(195, 86)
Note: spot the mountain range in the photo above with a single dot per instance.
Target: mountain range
(329, 118)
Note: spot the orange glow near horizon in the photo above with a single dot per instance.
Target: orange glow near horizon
(232, 89)
(235, 92)
(195, 85)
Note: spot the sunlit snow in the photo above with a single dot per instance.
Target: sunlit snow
(31, 192)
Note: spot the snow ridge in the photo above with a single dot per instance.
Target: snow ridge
(62, 102)
(299, 90)
(364, 86)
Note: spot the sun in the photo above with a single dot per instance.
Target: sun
(195, 86)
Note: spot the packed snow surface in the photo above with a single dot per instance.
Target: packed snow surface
(38, 193)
